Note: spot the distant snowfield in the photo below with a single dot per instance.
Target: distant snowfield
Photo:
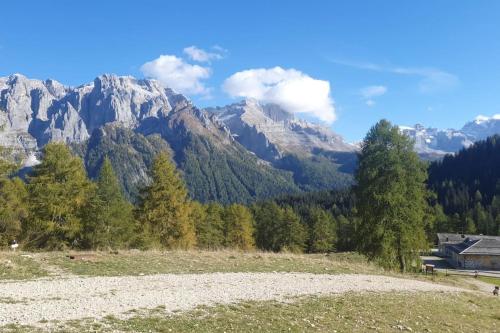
(69, 298)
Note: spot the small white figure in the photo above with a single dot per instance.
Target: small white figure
(14, 245)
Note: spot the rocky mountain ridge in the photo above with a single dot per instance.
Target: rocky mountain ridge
(271, 132)
(131, 119)
(435, 143)
(34, 112)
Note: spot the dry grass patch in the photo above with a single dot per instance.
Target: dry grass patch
(19, 266)
(388, 312)
(491, 280)
(155, 262)
(459, 281)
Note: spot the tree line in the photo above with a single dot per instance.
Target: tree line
(467, 187)
(386, 215)
(57, 206)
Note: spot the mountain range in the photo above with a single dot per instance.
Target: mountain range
(433, 143)
(238, 153)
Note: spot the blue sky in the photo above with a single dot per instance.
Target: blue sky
(433, 62)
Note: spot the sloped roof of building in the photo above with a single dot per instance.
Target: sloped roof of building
(458, 247)
(484, 246)
(477, 245)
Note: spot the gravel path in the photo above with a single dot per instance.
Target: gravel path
(30, 302)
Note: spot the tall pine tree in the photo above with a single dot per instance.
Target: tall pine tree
(109, 222)
(164, 209)
(294, 233)
(278, 228)
(269, 226)
(238, 231)
(58, 192)
(13, 209)
(209, 224)
(13, 197)
(391, 197)
(323, 235)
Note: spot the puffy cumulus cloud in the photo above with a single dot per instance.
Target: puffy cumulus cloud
(175, 73)
(200, 55)
(291, 89)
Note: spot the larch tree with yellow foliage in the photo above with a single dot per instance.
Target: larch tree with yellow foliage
(164, 209)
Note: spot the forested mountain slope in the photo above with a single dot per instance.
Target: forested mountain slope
(131, 120)
(468, 186)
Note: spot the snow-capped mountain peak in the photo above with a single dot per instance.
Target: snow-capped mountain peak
(485, 119)
(433, 142)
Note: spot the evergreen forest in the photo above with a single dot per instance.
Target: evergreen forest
(390, 214)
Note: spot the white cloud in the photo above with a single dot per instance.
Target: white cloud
(436, 81)
(432, 80)
(220, 49)
(200, 55)
(291, 89)
(370, 92)
(175, 73)
(373, 91)
(370, 102)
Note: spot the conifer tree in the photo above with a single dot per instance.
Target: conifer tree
(470, 227)
(209, 225)
(13, 196)
(484, 220)
(294, 233)
(58, 192)
(239, 229)
(164, 208)
(457, 224)
(391, 198)
(269, 228)
(345, 233)
(109, 222)
(278, 228)
(322, 230)
(13, 209)
(441, 222)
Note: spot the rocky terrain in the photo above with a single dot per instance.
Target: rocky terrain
(70, 298)
(34, 112)
(271, 132)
